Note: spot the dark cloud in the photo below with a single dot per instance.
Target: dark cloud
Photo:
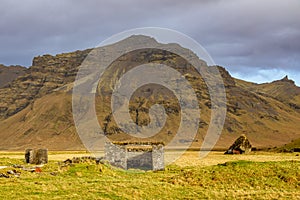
(249, 37)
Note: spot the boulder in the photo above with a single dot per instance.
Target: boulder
(240, 146)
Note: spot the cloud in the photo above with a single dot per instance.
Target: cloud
(242, 35)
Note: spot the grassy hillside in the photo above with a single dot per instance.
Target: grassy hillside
(46, 123)
(289, 147)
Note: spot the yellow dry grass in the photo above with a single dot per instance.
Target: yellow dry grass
(216, 176)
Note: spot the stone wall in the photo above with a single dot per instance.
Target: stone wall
(158, 157)
(36, 156)
(116, 155)
(145, 156)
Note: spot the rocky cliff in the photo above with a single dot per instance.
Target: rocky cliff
(46, 74)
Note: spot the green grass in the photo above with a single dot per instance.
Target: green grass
(231, 180)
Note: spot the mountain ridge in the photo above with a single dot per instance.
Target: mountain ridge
(36, 107)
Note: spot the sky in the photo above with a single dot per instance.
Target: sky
(255, 40)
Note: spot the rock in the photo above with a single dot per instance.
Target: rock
(68, 161)
(14, 172)
(2, 175)
(17, 166)
(227, 78)
(10, 172)
(36, 156)
(99, 160)
(29, 169)
(296, 149)
(240, 146)
(285, 80)
(53, 173)
(28, 155)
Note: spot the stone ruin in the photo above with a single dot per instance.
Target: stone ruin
(240, 146)
(136, 155)
(36, 156)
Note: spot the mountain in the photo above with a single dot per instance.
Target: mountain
(36, 106)
(10, 73)
(46, 74)
(283, 90)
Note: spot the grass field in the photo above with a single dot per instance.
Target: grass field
(259, 175)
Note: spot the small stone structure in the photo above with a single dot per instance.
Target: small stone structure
(137, 155)
(36, 156)
(240, 146)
